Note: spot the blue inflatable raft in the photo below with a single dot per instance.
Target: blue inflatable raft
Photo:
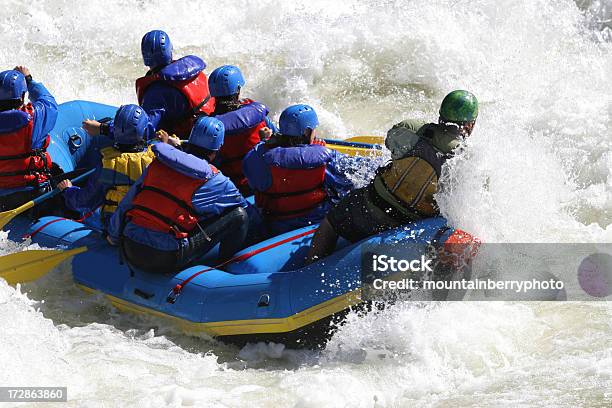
(264, 294)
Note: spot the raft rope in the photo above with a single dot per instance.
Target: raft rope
(176, 291)
(83, 218)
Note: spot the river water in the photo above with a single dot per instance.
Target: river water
(538, 168)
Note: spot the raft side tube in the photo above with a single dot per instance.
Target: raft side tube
(71, 146)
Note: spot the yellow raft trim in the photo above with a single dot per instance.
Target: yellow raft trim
(245, 327)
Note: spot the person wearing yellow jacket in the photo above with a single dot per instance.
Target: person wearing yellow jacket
(120, 165)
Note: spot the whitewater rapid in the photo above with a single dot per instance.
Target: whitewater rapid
(537, 169)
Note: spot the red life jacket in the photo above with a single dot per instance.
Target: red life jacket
(235, 147)
(293, 193)
(20, 165)
(194, 89)
(164, 202)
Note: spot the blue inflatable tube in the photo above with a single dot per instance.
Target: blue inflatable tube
(265, 293)
(70, 144)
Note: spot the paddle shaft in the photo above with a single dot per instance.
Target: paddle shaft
(7, 216)
(56, 191)
(69, 175)
(353, 144)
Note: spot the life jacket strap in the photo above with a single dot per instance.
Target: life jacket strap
(395, 209)
(174, 228)
(17, 173)
(178, 231)
(169, 196)
(110, 203)
(31, 153)
(36, 173)
(18, 156)
(196, 109)
(293, 193)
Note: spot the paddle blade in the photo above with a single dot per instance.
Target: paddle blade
(7, 216)
(354, 151)
(363, 145)
(367, 146)
(27, 266)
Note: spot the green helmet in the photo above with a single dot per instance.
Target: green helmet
(459, 106)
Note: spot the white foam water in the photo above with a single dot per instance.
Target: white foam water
(537, 169)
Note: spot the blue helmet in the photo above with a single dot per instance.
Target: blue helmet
(12, 85)
(156, 49)
(296, 119)
(225, 81)
(207, 133)
(130, 125)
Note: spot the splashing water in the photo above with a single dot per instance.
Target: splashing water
(537, 169)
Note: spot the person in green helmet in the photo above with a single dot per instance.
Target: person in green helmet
(403, 190)
(458, 113)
